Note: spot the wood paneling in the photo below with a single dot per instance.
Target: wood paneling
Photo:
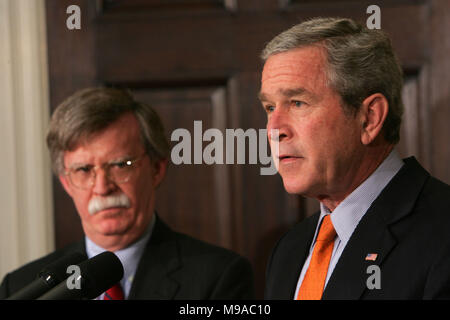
(194, 198)
(439, 88)
(121, 6)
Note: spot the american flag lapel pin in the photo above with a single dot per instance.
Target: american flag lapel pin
(371, 256)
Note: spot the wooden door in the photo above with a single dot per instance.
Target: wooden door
(198, 60)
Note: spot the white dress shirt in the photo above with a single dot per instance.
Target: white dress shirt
(349, 212)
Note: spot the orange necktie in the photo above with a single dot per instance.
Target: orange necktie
(314, 280)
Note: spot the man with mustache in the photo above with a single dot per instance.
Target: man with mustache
(331, 89)
(110, 154)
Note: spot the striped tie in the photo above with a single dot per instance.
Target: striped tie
(114, 293)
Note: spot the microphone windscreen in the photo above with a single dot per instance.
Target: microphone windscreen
(100, 273)
(49, 277)
(58, 269)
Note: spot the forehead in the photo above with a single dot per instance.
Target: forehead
(120, 138)
(301, 67)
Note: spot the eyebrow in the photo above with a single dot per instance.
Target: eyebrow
(77, 165)
(262, 96)
(83, 164)
(287, 93)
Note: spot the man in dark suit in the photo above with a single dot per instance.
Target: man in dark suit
(110, 154)
(332, 92)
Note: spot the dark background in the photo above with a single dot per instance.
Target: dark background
(199, 60)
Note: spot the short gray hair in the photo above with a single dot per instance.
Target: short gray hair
(90, 110)
(360, 62)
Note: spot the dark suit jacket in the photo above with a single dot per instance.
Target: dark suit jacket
(408, 226)
(173, 266)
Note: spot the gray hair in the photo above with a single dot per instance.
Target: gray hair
(90, 110)
(360, 62)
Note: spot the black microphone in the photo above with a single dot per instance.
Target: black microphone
(96, 275)
(49, 277)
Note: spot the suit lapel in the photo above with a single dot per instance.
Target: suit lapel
(287, 263)
(349, 277)
(160, 258)
(79, 246)
(374, 235)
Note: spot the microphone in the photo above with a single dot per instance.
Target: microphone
(48, 277)
(96, 275)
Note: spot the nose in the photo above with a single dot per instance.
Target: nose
(278, 128)
(102, 184)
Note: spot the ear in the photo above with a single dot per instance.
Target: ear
(374, 111)
(159, 172)
(65, 183)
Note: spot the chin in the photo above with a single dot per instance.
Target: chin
(294, 186)
(111, 226)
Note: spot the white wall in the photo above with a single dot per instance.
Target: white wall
(26, 225)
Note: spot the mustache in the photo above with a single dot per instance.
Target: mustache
(113, 201)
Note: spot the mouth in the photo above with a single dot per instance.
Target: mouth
(288, 158)
(110, 212)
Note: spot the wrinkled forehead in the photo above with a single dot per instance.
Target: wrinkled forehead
(309, 61)
(118, 138)
(296, 70)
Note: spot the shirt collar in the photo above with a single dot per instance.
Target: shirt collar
(349, 212)
(129, 256)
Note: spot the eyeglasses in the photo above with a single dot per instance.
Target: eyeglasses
(83, 176)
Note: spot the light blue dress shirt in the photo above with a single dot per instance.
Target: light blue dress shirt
(349, 212)
(129, 257)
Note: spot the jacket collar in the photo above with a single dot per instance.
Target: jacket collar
(373, 233)
(285, 265)
(160, 259)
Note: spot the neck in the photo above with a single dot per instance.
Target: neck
(358, 172)
(115, 243)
